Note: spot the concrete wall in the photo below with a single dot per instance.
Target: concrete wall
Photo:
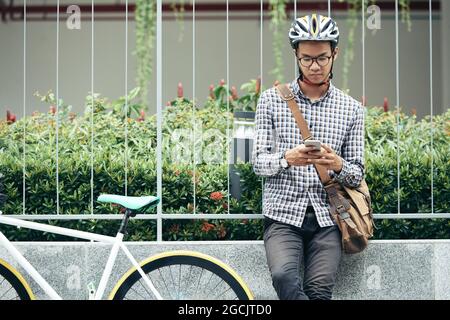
(109, 63)
(388, 269)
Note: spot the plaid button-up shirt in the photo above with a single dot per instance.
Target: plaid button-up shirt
(336, 119)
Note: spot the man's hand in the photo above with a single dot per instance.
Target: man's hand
(299, 155)
(325, 157)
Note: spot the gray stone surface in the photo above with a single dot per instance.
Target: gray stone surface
(398, 269)
(350, 278)
(441, 264)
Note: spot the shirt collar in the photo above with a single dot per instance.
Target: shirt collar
(295, 87)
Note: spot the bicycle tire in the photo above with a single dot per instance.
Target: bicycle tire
(12, 285)
(191, 259)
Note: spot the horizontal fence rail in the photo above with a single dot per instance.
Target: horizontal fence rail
(225, 216)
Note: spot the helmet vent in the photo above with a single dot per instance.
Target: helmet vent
(314, 25)
(303, 28)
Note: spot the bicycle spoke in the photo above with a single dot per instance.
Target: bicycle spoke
(139, 283)
(188, 277)
(220, 281)
(171, 275)
(212, 290)
(1, 283)
(137, 292)
(11, 287)
(222, 293)
(198, 283)
(167, 289)
(209, 280)
(145, 285)
(179, 282)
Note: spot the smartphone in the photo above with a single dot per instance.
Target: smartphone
(315, 143)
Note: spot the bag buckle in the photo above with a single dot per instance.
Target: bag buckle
(344, 215)
(289, 96)
(341, 208)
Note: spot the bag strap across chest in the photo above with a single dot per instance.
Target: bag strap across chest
(287, 95)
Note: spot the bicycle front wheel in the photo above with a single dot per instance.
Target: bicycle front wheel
(181, 275)
(12, 285)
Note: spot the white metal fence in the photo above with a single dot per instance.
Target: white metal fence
(160, 216)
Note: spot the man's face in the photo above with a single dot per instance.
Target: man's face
(320, 67)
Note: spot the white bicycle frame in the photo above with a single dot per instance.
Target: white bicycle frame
(117, 243)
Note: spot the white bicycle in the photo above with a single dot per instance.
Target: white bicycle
(168, 275)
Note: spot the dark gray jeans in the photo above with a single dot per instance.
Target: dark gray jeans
(316, 249)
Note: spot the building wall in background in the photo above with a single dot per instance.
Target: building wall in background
(210, 62)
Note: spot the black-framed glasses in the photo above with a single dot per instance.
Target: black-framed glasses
(321, 61)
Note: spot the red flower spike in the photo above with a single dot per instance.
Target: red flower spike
(234, 94)
(206, 227)
(258, 85)
(211, 91)
(216, 196)
(364, 101)
(180, 90)
(386, 104)
(222, 82)
(142, 116)
(221, 232)
(10, 117)
(175, 228)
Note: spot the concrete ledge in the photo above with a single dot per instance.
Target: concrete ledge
(394, 269)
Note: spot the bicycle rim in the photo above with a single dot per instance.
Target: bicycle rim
(12, 284)
(183, 275)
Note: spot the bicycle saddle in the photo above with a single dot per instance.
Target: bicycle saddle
(133, 203)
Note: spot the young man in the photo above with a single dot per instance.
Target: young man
(299, 232)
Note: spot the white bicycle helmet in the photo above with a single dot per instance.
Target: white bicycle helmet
(314, 27)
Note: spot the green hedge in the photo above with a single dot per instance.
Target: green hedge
(108, 158)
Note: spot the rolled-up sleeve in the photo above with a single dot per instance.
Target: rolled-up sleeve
(352, 152)
(265, 162)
